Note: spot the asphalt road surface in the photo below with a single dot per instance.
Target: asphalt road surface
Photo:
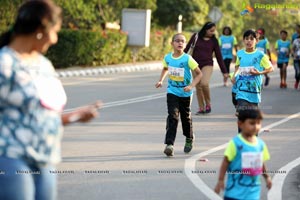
(119, 156)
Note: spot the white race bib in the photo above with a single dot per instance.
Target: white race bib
(261, 49)
(226, 46)
(245, 71)
(284, 50)
(176, 74)
(252, 163)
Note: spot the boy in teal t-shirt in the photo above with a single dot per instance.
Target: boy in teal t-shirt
(251, 64)
(178, 66)
(244, 160)
(282, 47)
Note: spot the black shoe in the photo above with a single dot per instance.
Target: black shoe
(267, 81)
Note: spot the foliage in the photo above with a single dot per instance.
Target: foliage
(8, 10)
(193, 12)
(91, 48)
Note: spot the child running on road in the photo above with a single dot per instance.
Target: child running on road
(296, 55)
(264, 46)
(179, 92)
(282, 47)
(251, 65)
(244, 160)
(227, 41)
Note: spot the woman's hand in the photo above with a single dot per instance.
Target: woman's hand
(82, 114)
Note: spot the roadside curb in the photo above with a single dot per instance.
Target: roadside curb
(93, 71)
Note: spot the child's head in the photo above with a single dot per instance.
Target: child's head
(283, 34)
(260, 33)
(178, 42)
(249, 120)
(227, 30)
(249, 39)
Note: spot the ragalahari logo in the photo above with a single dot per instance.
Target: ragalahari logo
(247, 9)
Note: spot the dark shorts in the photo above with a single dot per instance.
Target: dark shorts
(280, 65)
(243, 104)
(228, 198)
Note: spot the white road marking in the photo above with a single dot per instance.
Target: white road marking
(278, 180)
(190, 164)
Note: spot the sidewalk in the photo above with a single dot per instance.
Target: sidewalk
(111, 69)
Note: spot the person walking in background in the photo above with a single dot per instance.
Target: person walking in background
(31, 103)
(227, 41)
(264, 46)
(297, 32)
(179, 92)
(296, 56)
(282, 47)
(205, 45)
(244, 160)
(251, 64)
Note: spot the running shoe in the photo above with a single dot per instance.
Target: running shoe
(169, 150)
(207, 109)
(267, 81)
(200, 112)
(188, 145)
(296, 85)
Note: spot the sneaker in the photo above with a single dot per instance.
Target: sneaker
(207, 109)
(188, 145)
(200, 112)
(169, 150)
(267, 81)
(296, 85)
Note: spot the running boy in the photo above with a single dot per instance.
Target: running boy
(244, 160)
(251, 64)
(282, 47)
(179, 92)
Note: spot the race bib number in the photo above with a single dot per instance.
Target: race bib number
(176, 74)
(283, 50)
(245, 71)
(261, 49)
(252, 163)
(226, 46)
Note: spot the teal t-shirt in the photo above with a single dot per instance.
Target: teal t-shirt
(243, 173)
(248, 85)
(180, 74)
(283, 49)
(263, 45)
(227, 43)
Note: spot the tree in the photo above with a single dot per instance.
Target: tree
(193, 12)
(8, 11)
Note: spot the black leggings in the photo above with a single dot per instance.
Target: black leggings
(227, 62)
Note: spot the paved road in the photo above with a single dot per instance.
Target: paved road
(119, 155)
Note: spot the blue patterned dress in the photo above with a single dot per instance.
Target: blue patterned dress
(31, 101)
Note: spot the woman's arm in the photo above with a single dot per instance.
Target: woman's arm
(82, 114)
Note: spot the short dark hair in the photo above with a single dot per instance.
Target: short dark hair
(228, 28)
(250, 112)
(249, 33)
(284, 31)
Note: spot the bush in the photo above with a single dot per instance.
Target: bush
(95, 48)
